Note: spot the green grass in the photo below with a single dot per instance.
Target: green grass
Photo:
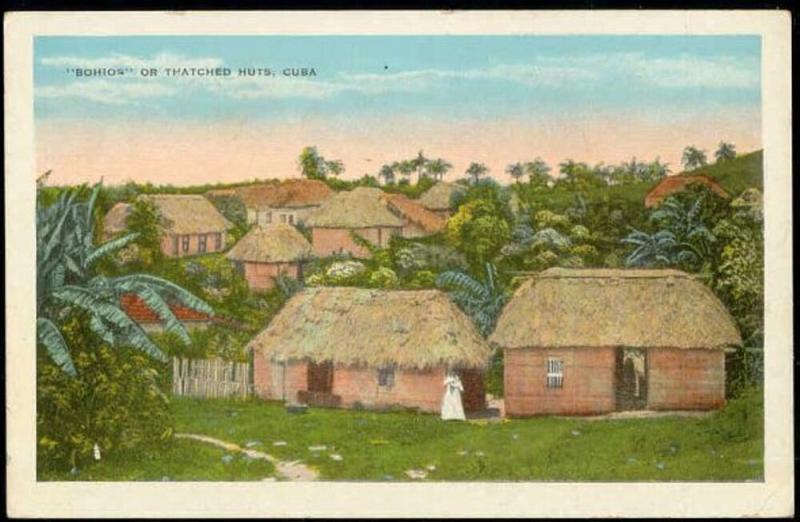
(179, 460)
(725, 446)
(382, 446)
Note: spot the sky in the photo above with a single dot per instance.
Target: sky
(377, 99)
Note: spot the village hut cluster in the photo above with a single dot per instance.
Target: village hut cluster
(575, 341)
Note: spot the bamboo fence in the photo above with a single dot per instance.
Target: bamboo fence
(210, 378)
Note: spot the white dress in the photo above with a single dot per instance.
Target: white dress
(452, 409)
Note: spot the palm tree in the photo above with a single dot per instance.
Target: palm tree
(516, 171)
(538, 172)
(405, 168)
(387, 174)
(335, 167)
(481, 300)
(725, 151)
(693, 158)
(438, 168)
(419, 163)
(66, 283)
(475, 171)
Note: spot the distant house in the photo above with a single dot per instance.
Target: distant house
(149, 320)
(268, 251)
(192, 225)
(438, 198)
(363, 211)
(349, 347)
(290, 201)
(595, 341)
(674, 184)
(417, 220)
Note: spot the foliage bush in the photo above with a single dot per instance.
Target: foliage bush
(494, 374)
(116, 401)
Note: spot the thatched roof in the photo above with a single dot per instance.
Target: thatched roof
(411, 210)
(290, 193)
(608, 308)
(438, 196)
(412, 329)
(188, 214)
(361, 207)
(114, 220)
(678, 183)
(277, 243)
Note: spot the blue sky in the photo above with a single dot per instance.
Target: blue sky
(482, 77)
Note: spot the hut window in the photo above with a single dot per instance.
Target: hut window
(218, 241)
(386, 376)
(201, 242)
(291, 219)
(185, 243)
(555, 373)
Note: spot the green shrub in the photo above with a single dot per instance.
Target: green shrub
(742, 419)
(116, 401)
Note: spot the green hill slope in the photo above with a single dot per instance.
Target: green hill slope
(740, 173)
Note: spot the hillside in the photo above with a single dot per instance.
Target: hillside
(740, 173)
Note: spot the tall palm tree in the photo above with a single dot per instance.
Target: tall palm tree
(387, 174)
(725, 151)
(405, 168)
(515, 170)
(538, 172)
(476, 170)
(66, 283)
(438, 168)
(481, 300)
(693, 158)
(420, 163)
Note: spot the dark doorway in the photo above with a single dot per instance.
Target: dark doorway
(320, 377)
(630, 378)
(474, 397)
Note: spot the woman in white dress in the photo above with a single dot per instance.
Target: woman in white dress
(452, 409)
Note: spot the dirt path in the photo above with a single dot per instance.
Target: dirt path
(294, 470)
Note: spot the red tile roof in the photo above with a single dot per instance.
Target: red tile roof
(141, 313)
(674, 184)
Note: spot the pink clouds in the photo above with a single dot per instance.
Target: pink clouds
(184, 153)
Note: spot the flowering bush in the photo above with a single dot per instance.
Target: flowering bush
(344, 270)
(383, 278)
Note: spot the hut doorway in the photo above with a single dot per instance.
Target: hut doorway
(320, 377)
(474, 397)
(630, 379)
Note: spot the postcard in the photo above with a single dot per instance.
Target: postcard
(379, 264)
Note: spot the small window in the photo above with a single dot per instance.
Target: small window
(283, 218)
(291, 219)
(218, 241)
(555, 373)
(386, 377)
(185, 243)
(201, 242)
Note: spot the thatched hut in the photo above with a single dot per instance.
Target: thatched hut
(595, 341)
(362, 211)
(672, 185)
(418, 221)
(289, 201)
(438, 198)
(192, 225)
(344, 346)
(269, 251)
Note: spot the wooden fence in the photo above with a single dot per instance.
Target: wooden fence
(210, 378)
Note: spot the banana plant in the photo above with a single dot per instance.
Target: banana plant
(481, 300)
(66, 282)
